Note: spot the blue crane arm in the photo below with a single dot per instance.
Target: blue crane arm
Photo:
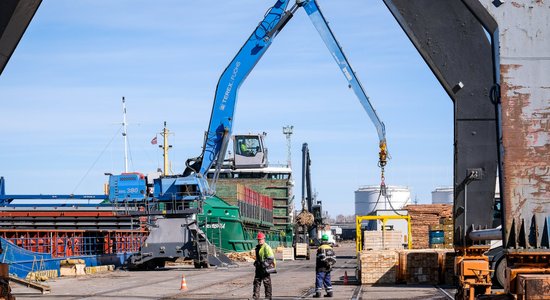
(223, 109)
(312, 9)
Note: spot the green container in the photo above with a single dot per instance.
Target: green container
(226, 230)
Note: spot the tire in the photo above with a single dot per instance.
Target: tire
(500, 272)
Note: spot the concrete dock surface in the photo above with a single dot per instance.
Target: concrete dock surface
(294, 280)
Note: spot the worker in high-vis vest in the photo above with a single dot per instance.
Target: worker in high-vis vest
(326, 258)
(265, 265)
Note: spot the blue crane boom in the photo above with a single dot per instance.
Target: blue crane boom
(223, 109)
(317, 18)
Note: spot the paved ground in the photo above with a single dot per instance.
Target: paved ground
(294, 280)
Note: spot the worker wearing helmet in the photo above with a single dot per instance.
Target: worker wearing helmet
(326, 258)
(265, 265)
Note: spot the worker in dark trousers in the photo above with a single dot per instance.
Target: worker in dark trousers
(265, 265)
(326, 258)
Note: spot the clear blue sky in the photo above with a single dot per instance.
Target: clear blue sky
(61, 95)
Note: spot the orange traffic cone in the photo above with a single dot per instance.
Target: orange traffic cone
(183, 286)
(345, 277)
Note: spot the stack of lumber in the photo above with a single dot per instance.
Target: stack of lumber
(72, 267)
(419, 266)
(287, 254)
(422, 217)
(41, 275)
(383, 240)
(428, 266)
(446, 226)
(447, 267)
(301, 249)
(379, 267)
(99, 269)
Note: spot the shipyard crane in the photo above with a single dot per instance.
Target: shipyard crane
(193, 183)
(192, 186)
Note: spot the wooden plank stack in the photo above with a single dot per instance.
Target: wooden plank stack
(287, 254)
(447, 267)
(445, 225)
(448, 228)
(379, 267)
(428, 266)
(422, 217)
(383, 240)
(301, 249)
(419, 266)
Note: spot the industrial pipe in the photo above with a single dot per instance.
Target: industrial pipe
(486, 234)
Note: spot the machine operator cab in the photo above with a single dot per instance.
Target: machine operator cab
(249, 151)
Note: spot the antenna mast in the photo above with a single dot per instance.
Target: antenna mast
(287, 130)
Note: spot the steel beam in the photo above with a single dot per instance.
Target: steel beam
(15, 16)
(454, 45)
(522, 41)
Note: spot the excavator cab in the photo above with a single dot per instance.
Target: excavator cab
(249, 151)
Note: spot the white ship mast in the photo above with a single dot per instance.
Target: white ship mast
(125, 135)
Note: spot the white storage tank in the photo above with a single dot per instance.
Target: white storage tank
(367, 201)
(442, 195)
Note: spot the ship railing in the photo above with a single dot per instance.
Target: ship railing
(76, 244)
(176, 205)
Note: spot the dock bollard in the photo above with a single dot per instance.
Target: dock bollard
(183, 285)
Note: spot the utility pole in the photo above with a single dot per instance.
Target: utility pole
(287, 130)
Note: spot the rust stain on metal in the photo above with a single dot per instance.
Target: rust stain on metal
(518, 5)
(525, 135)
(533, 286)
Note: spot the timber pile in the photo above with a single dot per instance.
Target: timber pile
(428, 266)
(445, 225)
(447, 267)
(379, 267)
(422, 217)
(43, 275)
(383, 240)
(249, 256)
(99, 269)
(286, 254)
(419, 266)
(304, 218)
(72, 267)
